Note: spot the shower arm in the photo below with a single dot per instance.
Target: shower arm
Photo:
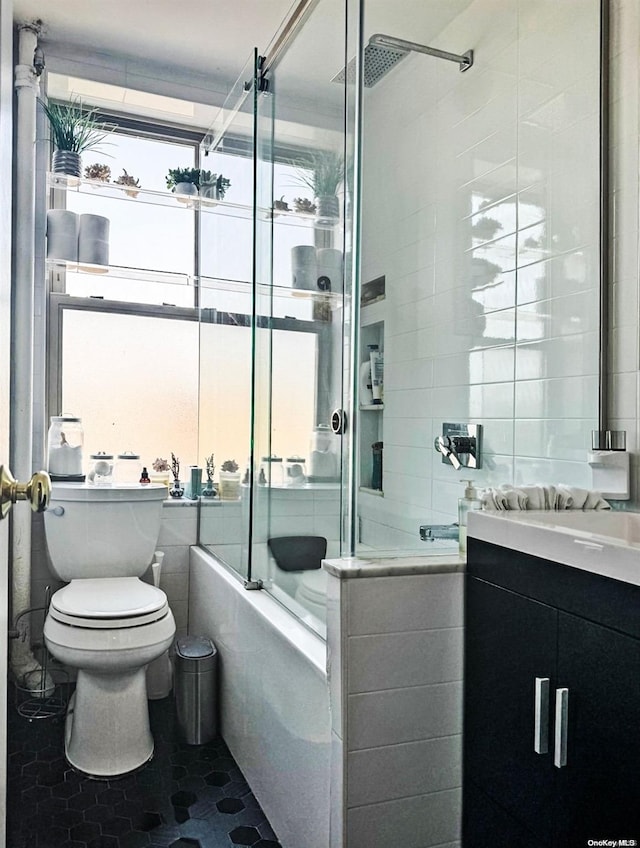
(465, 60)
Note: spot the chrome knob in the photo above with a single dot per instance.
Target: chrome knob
(446, 447)
(37, 491)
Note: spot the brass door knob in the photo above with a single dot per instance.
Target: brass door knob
(37, 491)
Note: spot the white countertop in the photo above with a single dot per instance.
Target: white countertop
(602, 542)
(350, 567)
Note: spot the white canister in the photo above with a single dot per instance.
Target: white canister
(304, 267)
(62, 235)
(329, 269)
(100, 469)
(65, 442)
(128, 467)
(93, 240)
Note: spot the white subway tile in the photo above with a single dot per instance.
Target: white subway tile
(420, 602)
(181, 531)
(411, 769)
(394, 660)
(421, 822)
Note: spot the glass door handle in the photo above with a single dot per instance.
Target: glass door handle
(37, 491)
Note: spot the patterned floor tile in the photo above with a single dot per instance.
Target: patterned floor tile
(187, 797)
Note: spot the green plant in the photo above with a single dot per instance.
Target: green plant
(222, 184)
(208, 178)
(98, 172)
(229, 465)
(74, 128)
(304, 205)
(182, 175)
(210, 467)
(322, 171)
(175, 466)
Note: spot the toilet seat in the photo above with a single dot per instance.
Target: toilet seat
(108, 603)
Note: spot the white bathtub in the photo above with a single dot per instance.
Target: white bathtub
(274, 700)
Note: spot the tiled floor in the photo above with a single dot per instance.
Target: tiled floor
(186, 797)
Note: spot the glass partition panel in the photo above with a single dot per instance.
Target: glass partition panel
(299, 344)
(480, 257)
(226, 290)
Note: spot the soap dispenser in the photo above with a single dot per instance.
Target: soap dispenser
(465, 505)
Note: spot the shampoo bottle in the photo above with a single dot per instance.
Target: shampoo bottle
(465, 505)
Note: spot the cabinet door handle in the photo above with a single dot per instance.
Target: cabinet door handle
(562, 714)
(541, 716)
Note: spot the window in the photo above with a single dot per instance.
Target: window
(154, 351)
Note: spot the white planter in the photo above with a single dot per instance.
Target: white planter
(304, 267)
(93, 240)
(186, 189)
(62, 235)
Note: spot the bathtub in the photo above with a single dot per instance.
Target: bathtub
(274, 699)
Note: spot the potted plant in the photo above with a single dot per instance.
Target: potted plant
(213, 186)
(99, 172)
(323, 173)
(209, 490)
(74, 130)
(229, 481)
(161, 473)
(280, 205)
(176, 490)
(304, 206)
(183, 181)
(126, 179)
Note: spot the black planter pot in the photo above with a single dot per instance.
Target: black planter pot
(66, 162)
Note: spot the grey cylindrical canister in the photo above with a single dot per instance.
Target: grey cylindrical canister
(329, 269)
(196, 680)
(62, 235)
(304, 267)
(93, 240)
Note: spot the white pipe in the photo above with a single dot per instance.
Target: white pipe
(26, 84)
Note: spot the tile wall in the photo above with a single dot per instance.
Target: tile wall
(395, 680)
(624, 204)
(488, 237)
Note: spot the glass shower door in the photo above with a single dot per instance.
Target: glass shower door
(300, 322)
(227, 211)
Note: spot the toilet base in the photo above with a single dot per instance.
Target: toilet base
(107, 731)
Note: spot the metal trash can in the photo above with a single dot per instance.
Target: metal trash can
(196, 678)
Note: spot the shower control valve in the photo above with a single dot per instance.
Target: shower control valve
(460, 445)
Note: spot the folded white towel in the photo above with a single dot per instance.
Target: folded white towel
(535, 495)
(558, 497)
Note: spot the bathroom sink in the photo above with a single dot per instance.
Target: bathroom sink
(606, 542)
(622, 528)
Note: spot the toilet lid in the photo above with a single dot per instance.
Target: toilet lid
(108, 602)
(313, 586)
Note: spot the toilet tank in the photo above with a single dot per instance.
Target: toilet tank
(103, 531)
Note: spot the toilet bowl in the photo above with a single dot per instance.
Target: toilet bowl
(312, 592)
(106, 622)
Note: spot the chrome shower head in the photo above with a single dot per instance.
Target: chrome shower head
(383, 52)
(378, 61)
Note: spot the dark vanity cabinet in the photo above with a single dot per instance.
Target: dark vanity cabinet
(552, 704)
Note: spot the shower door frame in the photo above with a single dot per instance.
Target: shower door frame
(6, 158)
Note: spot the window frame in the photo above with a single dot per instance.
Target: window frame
(58, 300)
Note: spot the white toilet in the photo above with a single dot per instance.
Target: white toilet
(106, 622)
(312, 592)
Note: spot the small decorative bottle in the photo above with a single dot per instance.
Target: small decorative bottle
(469, 502)
(144, 477)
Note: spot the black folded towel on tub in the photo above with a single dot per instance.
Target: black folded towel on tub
(298, 553)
